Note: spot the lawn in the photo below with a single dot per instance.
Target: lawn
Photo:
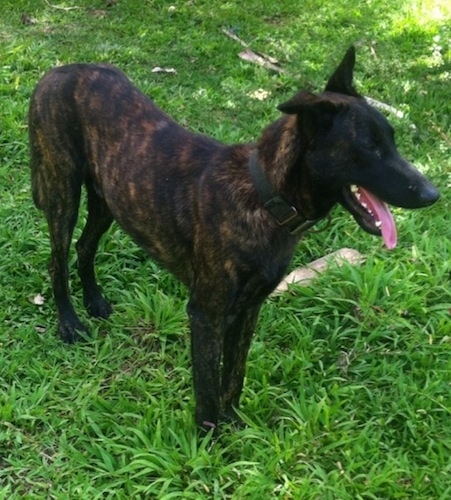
(348, 388)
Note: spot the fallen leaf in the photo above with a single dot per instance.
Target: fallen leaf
(38, 300)
(157, 69)
(259, 94)
(235, 37)
(99, 13)
(249, 55)
(260, 59)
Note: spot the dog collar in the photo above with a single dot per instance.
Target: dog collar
(285, 214)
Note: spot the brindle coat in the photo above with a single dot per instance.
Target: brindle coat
(190, 201)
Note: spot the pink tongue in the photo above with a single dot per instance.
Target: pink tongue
(382, 213)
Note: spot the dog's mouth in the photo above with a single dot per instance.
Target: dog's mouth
(371, 213)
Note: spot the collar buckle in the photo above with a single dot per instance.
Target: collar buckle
(284, 213)
(281, 210)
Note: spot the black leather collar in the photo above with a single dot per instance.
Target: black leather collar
(285, 214)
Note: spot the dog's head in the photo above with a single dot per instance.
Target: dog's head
(351, 155)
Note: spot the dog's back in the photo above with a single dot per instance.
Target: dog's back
(78, 109)
(90, 125)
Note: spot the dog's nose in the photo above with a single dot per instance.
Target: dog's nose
(428, 195)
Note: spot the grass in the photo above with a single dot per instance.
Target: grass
(348, 385)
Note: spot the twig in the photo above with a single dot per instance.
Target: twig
(260, 59)
(252, 56)
(305, 275)
(385, 107)
(232, 35)
(235, 37)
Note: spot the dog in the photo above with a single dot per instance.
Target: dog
(224, 219)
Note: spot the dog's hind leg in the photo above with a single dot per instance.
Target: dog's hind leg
(61, 212)
(56, 179)
(237, 340)
(98, 222)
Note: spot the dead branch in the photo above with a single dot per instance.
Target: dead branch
(250, 55)
(305, 275)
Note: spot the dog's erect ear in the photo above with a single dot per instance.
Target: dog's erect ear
(341, 80)
(340, 83)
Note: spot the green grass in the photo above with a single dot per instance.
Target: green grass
(348, 386)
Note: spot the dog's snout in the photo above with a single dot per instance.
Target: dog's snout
(426, 195)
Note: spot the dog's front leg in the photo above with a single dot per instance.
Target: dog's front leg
(237, 340)
(206, 349)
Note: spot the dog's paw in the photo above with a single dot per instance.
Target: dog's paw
(72, 331)
(98, 307)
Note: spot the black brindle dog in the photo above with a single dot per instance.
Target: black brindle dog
(224, 219)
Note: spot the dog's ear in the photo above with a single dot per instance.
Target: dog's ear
(298, 103)
(305, 101)
(316, 113)
(341, 80)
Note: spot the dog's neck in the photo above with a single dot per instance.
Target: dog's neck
(285, 214)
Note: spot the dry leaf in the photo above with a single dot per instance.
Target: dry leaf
(99, 13)
(260, 59)
(157, 69)
(38, 300)
(235, 37)
(259, 94)
(249, 55)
